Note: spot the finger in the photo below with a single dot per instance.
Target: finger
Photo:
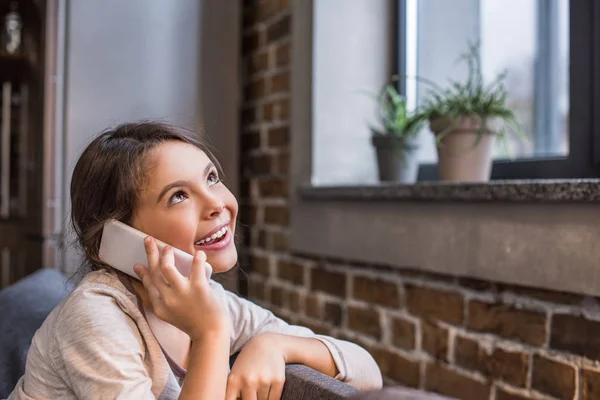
(276, 391)
(152, 252)
(147, 281)
(167, 262)
(197, 274)
(263, 392)
(172, 276)
(249, 393)
(232, 392)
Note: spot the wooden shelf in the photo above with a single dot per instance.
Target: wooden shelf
(14, 68)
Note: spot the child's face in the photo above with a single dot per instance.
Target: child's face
(183, 203)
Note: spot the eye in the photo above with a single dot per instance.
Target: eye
(213, 178)
(177, 197)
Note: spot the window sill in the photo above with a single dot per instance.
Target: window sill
(568, 190)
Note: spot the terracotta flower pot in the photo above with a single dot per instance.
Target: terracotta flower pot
(396, 159)
(465, 153)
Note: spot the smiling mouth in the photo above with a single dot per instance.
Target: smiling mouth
(214, 238)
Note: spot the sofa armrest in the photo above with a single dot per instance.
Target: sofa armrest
(304, 383)
(399, 393)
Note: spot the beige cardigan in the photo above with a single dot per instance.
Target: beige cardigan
(97, 344)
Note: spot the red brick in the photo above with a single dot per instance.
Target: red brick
(435, 304)
(576, 335)
(333, 313)
(376, 291)
(511, 323)
(255, 89)
(279, 82)
(279, 241)
(258, 63)
(313, 307)
(260, 265)
(277, 110)
(291, 271)
(256, 290)
(282, 55)
(590, 384)
(282, 163)
(279, 137)
(333, 283)
(315, 326)
(510, 367)
(542, 294)
(501, 394)
(259, 164)
(396, 367)
(278, 296)
(364, 320)
(434, 340)
(277, 215)
(553, 377)
(279, 29)
(297, 302)
(468, 354)
(403, 334)
(440, 379)
(273, 187)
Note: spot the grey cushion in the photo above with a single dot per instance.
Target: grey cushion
(399, 393)
(303, 383)
(23, 308)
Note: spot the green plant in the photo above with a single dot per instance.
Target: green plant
(395, 119)
(471, 98)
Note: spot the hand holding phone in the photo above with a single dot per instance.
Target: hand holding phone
(122, 247)
(186, 303)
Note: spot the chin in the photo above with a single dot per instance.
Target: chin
(223, 261)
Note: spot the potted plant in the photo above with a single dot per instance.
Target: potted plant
(465, 118)
(396, 139)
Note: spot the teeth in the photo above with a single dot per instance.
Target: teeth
(214, 236)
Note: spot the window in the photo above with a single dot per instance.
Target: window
(530, 40)
(547, 47)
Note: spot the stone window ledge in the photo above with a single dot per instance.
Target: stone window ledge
(568, 190)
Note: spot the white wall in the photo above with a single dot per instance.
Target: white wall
(139, 59)
(352, 54)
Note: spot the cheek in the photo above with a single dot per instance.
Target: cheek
(230, 202)
(168, 228)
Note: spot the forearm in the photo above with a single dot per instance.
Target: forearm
(307, 351)
(208, 366)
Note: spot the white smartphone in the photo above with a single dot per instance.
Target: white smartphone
(122, 246)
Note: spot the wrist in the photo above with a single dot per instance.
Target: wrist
(215, 333)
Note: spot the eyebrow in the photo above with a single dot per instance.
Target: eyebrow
(175, 184)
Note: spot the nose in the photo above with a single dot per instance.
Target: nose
(213, 206)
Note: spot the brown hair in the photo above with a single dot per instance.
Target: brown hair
(110, 173)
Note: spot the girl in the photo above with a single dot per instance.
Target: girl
(106, 339)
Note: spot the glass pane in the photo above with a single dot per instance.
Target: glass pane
(529, 39)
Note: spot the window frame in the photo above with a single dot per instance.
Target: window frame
(583, 160)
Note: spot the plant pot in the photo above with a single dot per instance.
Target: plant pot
(465, 153)
(396, 159)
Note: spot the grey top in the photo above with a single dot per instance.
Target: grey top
(97, 343)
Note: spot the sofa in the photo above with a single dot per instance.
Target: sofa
(25, 305)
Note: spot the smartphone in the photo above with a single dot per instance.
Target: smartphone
(122, 246)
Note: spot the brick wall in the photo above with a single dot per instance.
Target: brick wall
(465, 338)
